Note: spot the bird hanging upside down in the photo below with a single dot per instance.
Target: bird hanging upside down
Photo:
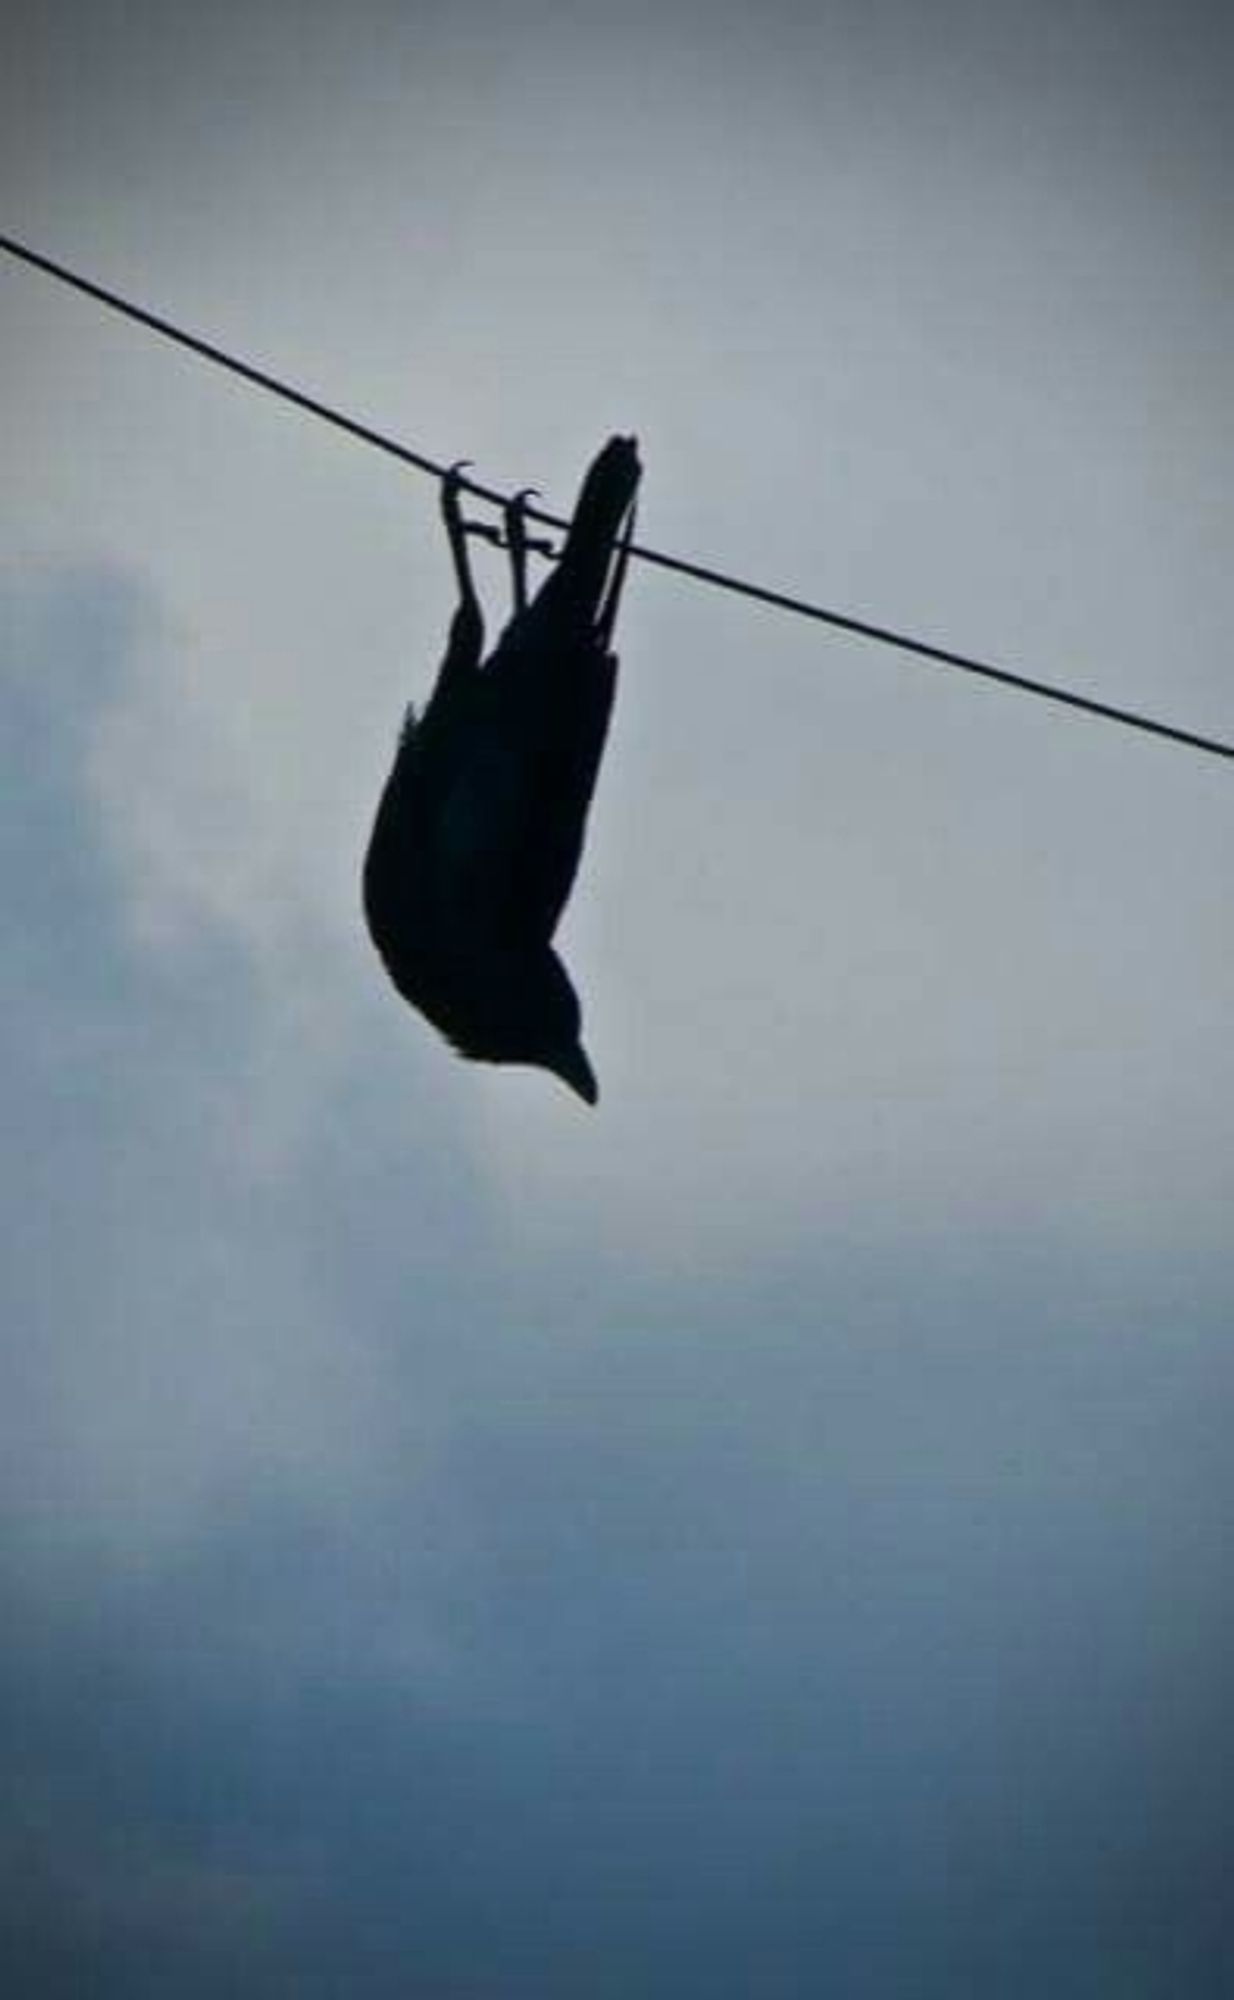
(480, 828)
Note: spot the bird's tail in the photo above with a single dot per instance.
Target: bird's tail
(604, 502)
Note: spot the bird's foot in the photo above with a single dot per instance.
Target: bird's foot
(453, 485)
(519, 543)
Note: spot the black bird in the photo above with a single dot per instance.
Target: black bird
(480, 828)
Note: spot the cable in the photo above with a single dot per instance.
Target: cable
(779, 600)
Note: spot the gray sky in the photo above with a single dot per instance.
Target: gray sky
(769, 1536)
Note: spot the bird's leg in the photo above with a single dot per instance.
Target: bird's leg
(516, 542)
(516, 538)
(606, 617)
(458, 529)
(466, 645)
(519, 542)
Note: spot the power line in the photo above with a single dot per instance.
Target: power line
(719, 579)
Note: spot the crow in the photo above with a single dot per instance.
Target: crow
(479, 830)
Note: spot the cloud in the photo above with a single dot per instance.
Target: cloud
(175, 1347)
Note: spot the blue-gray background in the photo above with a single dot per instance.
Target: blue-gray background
(769, 1536)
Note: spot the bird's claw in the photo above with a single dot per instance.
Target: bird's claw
(515, 512)
(453, 485)
(516, 509)
(520, 543)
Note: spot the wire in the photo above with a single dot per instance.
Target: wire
(719, 579)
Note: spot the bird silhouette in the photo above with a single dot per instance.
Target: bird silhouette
(480, 827)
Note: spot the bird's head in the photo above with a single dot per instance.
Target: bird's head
(574, 1068)
(505, 1007)
(543, 1024)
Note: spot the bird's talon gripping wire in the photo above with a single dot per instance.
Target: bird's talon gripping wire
(452, 485)
(517, 543)
(534, 544)
(458, 529)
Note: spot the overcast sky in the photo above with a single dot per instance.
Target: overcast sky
(768, 1536)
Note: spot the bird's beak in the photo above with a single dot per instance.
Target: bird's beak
(572, 1066)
